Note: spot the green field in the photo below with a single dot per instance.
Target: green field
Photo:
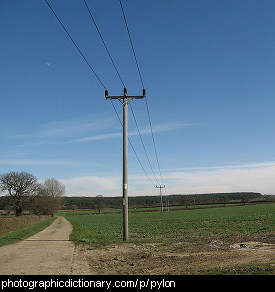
(133, 210)
(248, 222)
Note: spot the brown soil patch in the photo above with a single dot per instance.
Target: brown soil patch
(175, 259)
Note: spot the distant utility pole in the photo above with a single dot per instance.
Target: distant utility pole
(161, 201)
(125, 100)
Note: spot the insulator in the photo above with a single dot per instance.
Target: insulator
(125, 91)
(144, 92)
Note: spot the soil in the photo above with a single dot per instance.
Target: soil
(50, 252)
(180, 258)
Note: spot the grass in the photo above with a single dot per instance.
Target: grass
(15, 236)
(12, 223)
(133, 210)
(197, 225)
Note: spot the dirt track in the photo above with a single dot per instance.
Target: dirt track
(48, 252)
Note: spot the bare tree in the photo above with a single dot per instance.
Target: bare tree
(54, 188)
(187, 202)
(245, 198)
(73, 207)
(20, 186)
(225, 200)
(41, 203)
(99, 203)
(48, 198)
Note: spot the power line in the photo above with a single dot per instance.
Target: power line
(132, 145)
(154, 143)
(76, 46)
(143, 144)
(101, 37)
(131, 42)
(101, 80)
(147, 106)
(104, 43)
(134, 148)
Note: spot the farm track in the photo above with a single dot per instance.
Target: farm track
(48, 252)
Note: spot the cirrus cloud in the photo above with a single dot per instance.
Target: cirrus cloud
(91, 186)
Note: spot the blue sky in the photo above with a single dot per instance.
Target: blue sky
(207, 66)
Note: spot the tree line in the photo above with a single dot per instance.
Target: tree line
(24, 192)
(73, 203)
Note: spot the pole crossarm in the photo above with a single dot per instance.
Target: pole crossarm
(126, 96)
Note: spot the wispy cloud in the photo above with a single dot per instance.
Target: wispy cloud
(68, 128)
(95, 138)
(40, 162)
(92, 186)
(164, 127)
(74, 128)
(222, 167)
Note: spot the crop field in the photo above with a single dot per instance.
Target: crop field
(229, 224)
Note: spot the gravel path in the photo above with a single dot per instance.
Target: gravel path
(48, 252)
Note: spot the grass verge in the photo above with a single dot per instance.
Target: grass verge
(15, 236)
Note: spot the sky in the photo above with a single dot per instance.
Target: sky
(208, 67)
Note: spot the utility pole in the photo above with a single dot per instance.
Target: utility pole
(161, 187)
(125, 100)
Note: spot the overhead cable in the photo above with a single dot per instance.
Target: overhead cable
(132, 146)
(131, 42)
(143, 144)
(97, 28)
(76, 46)
(147, 106)
(104, 43)
(101, 80)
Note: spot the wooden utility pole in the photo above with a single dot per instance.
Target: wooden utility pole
(125, 100)
(161, 201)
